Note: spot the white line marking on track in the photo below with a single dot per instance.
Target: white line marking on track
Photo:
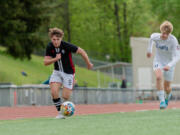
(142, 110)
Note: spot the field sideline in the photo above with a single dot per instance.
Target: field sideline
(12, 113)
(108, 119)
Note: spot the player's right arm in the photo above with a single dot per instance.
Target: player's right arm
(49, 60)
(150, 46)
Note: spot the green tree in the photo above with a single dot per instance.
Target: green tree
(19, 22)
(104, 27)
(167, 10)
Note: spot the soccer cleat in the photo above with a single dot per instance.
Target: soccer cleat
(167, 99)
(162, 105)
(60, 116)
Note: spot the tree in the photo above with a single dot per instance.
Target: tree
(167, 10)
(19, 22)
(104, 27)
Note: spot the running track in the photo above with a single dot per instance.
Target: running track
(12, 113)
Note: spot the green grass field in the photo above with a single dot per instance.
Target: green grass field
(164, 122)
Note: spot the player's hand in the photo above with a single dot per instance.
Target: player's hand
(89, 65)
(58, 56)
(149, 55)
(166, 68)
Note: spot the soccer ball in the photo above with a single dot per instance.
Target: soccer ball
(67, 108)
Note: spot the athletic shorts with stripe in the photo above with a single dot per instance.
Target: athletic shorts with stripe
(67, 80)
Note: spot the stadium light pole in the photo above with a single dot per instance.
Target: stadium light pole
(112, 70)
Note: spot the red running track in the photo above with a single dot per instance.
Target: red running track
(12, 113)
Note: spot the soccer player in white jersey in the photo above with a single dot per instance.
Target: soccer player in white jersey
(166, 57)
(59, 53)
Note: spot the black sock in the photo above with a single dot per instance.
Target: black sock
(57, 103)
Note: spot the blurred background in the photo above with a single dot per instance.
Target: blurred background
(104, 28)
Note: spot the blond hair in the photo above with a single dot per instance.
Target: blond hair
(55, 32)
(166, 27)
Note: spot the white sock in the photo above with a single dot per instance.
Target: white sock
(160, 94)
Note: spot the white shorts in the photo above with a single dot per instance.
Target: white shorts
(168, 75)
(67, 80)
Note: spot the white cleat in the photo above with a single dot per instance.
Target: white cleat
(60, 116)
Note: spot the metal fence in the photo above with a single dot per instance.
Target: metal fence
(40, 95)
(116, 71)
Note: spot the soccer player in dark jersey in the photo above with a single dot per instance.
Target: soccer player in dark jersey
(58, 52)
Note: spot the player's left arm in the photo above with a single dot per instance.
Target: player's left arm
(85, 57)
(176, 55)
(75, 49)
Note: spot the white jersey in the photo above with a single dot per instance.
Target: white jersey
(167, 51)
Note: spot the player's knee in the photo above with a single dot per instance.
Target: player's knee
(158, 78)
(167, 87)
(54, 94)
(66, 98)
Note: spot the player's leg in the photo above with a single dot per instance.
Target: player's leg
(55, 84)
(55, 88)
(67, 86)
(168, 89)
(66, 93)
(159, 86)
(168, 78)
(68, 82)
